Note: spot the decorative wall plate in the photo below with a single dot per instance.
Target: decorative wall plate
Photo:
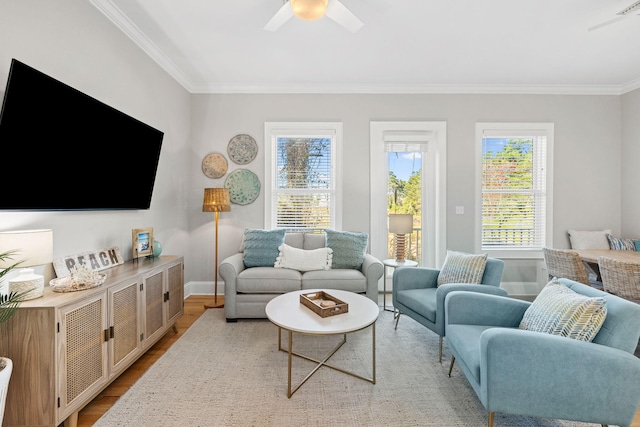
(242, 149)
(243, 186)
(214, 165)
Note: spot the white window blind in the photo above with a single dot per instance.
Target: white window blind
(303, 195)
(514, 189)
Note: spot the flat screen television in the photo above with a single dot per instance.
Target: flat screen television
(64, 150)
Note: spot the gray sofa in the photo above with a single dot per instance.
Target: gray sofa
(248, 290)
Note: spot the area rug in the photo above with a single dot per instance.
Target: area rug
(232, 374)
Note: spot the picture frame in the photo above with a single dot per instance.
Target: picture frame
(141, 242)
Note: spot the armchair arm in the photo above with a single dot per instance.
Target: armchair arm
(474, 308)
(539, 374)
(414, 278)
(373, 270)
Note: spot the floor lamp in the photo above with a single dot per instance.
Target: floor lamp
(400, 224)
(216, 200)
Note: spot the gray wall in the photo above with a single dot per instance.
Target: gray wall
(630, 169)
(587, 155)
(73, 42)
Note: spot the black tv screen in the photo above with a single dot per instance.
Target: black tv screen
(64, 150)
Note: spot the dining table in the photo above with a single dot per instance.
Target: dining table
(591, 255)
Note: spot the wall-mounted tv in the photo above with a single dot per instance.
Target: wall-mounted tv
(64, 150)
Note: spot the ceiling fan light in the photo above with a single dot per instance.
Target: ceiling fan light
(309, 10)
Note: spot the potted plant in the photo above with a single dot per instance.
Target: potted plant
(9, 302)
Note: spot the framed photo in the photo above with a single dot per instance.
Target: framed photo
(141, 242)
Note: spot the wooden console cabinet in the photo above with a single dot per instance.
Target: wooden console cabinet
(67, 347)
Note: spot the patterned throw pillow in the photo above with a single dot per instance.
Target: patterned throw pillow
(620, 244)
(261, 247)
(304, 259)
(460, 267)
(558, 310)
(348, 248)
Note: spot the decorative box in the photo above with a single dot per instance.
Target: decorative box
(323, 304)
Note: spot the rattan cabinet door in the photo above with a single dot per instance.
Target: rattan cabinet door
(154, 294)
(175, 287)
(124, 325)
(82, 352)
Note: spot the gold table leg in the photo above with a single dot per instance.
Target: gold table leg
(323, 362)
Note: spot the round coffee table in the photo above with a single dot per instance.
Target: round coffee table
(288, 313)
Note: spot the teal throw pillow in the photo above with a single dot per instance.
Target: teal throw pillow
(348, 248)
(261, 247)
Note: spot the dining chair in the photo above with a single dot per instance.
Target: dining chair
(565, 263)
(621, 278)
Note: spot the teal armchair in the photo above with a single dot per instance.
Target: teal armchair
(542, 375)
(417, 295)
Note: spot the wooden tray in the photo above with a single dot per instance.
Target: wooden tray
(312, 300)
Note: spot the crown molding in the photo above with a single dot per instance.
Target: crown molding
(120, 20)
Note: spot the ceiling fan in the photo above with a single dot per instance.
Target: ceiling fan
(315, 9)
(627, 11)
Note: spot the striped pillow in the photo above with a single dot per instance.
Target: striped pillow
(558, 310)
(620, 244)
(460, 267)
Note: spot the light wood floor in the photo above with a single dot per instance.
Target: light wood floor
(193, 308)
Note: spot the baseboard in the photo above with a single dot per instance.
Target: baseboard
(202, 288)
(522, 290)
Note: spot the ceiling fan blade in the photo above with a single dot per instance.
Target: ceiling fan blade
(605, 23)
(282, 15)
(343, 16)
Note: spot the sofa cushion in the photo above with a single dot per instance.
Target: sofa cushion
(314, 240)
(620, 244)
(268, 280)
(587, 239)
(261, 247)
(466, 340)
(348, 248)
(294, 239)
(304, 260)
(344, 279)
(558, 310)
(460, 267)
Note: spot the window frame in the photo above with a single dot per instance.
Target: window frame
(272, 130)
(517, 130)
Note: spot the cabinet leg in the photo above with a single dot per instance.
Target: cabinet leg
(72, 421)
(175, 328)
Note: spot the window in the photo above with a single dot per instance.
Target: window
(515, 188)
(302, 190)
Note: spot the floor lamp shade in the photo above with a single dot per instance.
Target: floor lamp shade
(400, 224)
(216, 200)
(34, 247)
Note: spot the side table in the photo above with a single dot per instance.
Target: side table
(393, 264)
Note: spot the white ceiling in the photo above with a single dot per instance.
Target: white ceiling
(405, 46)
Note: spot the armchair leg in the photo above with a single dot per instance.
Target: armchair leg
(397, 320)
(490, 419)
(453, 359)
(440, 350)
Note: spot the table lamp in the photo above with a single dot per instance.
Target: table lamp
(35, 247)
(400, 224)
(216, 200)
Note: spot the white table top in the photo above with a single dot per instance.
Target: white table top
(286, 311)
(393, 263)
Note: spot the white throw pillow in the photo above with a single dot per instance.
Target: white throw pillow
(589, 239)
(304, 259)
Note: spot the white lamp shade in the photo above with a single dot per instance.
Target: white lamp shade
(400, 223)
(35, 247)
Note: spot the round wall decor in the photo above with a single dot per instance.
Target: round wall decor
(242, 149)
(214, 165)
(243, 186)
